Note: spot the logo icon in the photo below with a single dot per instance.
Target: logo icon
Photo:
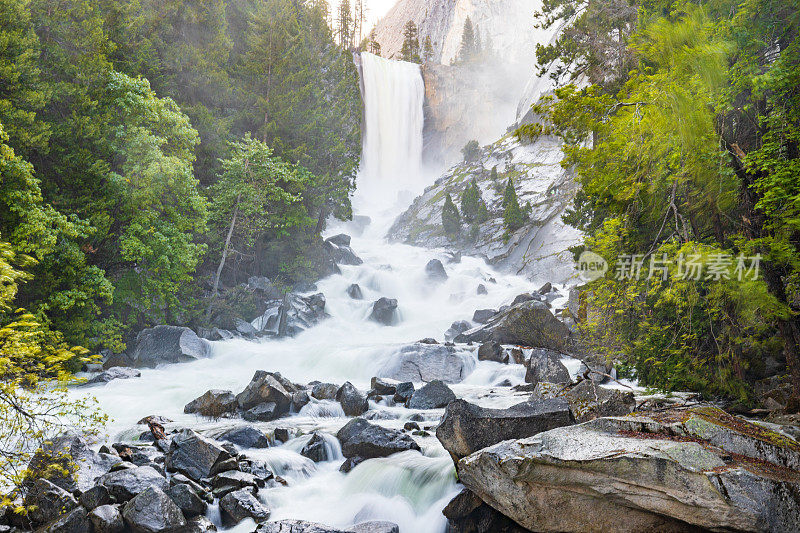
(591, 266)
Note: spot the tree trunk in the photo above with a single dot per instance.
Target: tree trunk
(224, 257)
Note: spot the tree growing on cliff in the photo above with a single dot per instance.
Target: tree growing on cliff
(473, 208)
(513, 215)
(471, 151)
(373, 46)
(470, 49)
(427, 49)
(451, 219)
(410, 50)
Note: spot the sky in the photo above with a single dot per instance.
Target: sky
(375, 9)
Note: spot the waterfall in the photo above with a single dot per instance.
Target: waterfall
(394, 94)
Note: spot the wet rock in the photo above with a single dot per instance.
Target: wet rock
(126, 484)
(95, 497)
(466, 513)
(546, 288)
(492, 351)
(403, 392)
(528, 323)
(589, 400)
(79, 465)
(245, 437)
(156, 419)
(266, 387)
(107, 519)
(152, 511)
(410, 426)
(457, 328)
(431, 396)
(264, 412)
(115, 372)
(245, 328)
(265, 286)
(354, 291)
(198, 524)
(315, 449)
(240, 505)
(350, 463)
(643, 469)
(324, 391)
(75, 521)
(342, 253)
(48, 501)
(233, 480)
(195, 456)
(214, 403)
(435, 270)
(384, 311)
(359, 438)
(187, 500)
(427, 362)
(517, 356)
(168, 344)
(292, 314)
(383, 387)
(454, 257)
(296, 526)
(546, 365)
(299, 399)
(281, 434)
(376, 526)
(466, 428)
(482, 290)
(341, 239)
(353, 402)
(428, 340)
(482, 316)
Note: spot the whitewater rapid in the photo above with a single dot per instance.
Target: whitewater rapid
(409, 488)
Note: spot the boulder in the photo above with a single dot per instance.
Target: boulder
(195, 456)
(482, 316)
(404, 392)
(431, 396)
(384, 311)
(263, 412)
(240, 505)
(383, 387)
(245, 437)
(656, 470)
(492, 351)
(79, 465)
(588, 400)
(342, 239)
(128, 483)
(152, 511)
(168, 344)
(375, 526)
(546, 365)
(214, 403)
(265, 286)
(112, 373)
(529, 323)
(107, 519)
(315, 449)
(187, 500)
(354, 291)
(198, 524)
(466, 428)
(435, 270)
(456, 328)
(48, 501)
(324, 391)
(350, 463)
(245, 328)
(233, 480)
(95, 497)
(359, 438)
(266, 387)
(74, 521)
(427, 362)
(296, 526)
(292, 314)
(466, 513)
(481, 290)
(353, 402)
(342, 253)
(546, 288)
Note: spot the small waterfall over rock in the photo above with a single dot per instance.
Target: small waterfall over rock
(394, 94)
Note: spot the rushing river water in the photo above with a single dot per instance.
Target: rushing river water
(409, 488)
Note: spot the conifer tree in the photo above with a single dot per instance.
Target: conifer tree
(473, 208)
(345, 24)
(373, 46)
(451, 219)
(513, 215)
(427, 49)
(410, 50)
(469, 45)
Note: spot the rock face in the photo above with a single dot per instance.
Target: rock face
(466, 513)
(384, 311)
(528, 324)
(359, 438)
(152, 511)
(195, 456)
(659, 472)
(466, 428)
(546, 365)
(427, 362)
(214, 403)
(432, 396)
(168, 344)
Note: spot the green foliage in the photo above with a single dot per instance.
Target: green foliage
(513, 215)
(471, 151)
(473, 208)
(451, 219)
(410, 50)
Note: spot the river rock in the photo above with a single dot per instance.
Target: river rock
(292, 314)
(263, 412)
(296, 526)
(95, 497)
(195, 456)
(265, 286)
(128, 483)
(315, 449)
(481, 290)
(482, 316)
(384, 311)
(377, 526)
(107, 519)
(245, 437)
(644, 469)
(341, 251)
(168, 344)
(213, 403)
(112, 373)
(435, 270)
(431, 396)
(353, 402)
(492, 351)
(266, 387)
(359, 438)
(528, 323)
(457, 328)
(342, 239)
(404, 392)
(427, 362)
(354, 291)
(48, 501)
(74, 521)
(198, 524)
(466, 428)
(233, 480)
(546, 365)
(350, 463)
(79, 464)
(588, 400)
(382, 387)
(152, 511)
(187, 500)
(324, 391)
(240, 505)
(466, 513)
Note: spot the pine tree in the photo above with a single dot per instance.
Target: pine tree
(473, 208)
(427, 49)
(345, 24)
(451, 219)
(373, 46)
(513, 216)
(468, 52)
(410, 49)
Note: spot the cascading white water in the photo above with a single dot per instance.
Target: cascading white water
(408, 488)
(394, 94)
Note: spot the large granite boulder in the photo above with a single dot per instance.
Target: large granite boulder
(107, 519)
(195, 456)
(48, 501)
(466, 513)
(353, 402)
(546, 365)
(187, 500)
(339, 246)
(291, 314)
(466, 428)
(128, 483)
(267, 387)
(79, 465)
(492, 351)
(457, 328)
(384, 311)
(242, 504)
(427, 362)
(74, 521)
(168, 344)
(432, 396)
(588, 400)
(152, 511)
(245, 437)
(528, 323)
(214, 403)
(661, 471)
(112, 373)
(359, 438)
(435, 270)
